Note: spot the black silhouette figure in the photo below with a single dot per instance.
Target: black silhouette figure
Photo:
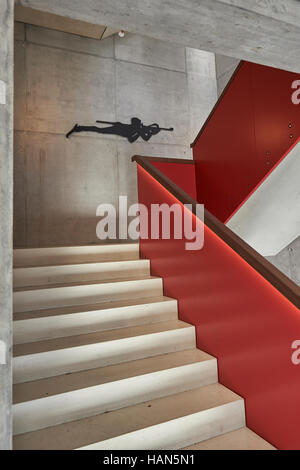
(131, 131)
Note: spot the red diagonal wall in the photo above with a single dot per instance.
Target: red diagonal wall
(253, 125)
(240, 318)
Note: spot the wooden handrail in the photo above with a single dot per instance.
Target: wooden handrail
(172, 160)
(281, 282)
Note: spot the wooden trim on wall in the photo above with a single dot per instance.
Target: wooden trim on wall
(218, 102)
(281, 282)
(172, 160)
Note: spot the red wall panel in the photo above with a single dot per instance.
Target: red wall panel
(252, 127)
(182, 174)
(240, 318)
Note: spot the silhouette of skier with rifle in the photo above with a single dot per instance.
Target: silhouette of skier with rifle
(131, 131)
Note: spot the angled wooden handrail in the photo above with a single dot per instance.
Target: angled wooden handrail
(172, 160)
(281, 282)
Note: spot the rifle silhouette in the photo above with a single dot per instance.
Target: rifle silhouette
(131, 131)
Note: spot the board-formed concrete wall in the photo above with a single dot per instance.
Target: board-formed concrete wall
(225, 67)
(6, 184)
(288, 261)
(63, 79)
(262, 31)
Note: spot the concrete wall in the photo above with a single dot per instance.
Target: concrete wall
(288, 261)
(256, 221)
(62, 79)
(6, 183)
(225, 67)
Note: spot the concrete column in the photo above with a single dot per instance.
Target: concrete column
(225, 67)
(6, 224)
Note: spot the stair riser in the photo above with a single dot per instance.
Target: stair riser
(52, 363)
(182, 432)
(41, 276)
(58, 409)
(76, 254)
(38, 329)
(25, 301)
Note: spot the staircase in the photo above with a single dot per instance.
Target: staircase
(101, 360)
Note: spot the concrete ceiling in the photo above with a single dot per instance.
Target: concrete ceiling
(282, 10)
(62, 23)
(265, 32)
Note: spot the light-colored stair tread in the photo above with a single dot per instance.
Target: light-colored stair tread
(242, 439)
(27, 368)
(28, 300)
(72, 273)
(29, 257)
(90, 401)
(98, 337)
(58, 326)
(85, 308)
(106, 426)
(88, 378)
(82, 283)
